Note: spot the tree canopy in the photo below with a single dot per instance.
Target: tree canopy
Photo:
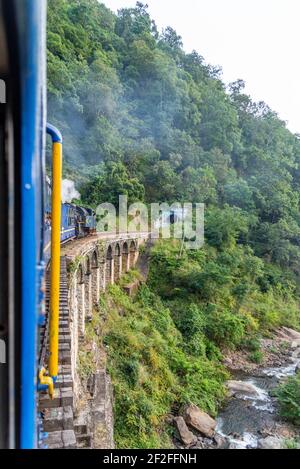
(141, 116)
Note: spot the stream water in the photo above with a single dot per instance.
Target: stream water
(245, 418)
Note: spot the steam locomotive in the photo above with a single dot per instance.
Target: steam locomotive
(76, 222)
(27, 218)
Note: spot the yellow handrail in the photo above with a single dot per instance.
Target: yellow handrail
(46, 380)
(55, 250)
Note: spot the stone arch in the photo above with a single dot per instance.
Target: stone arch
(95, 277)
(132, 254)
(109, 274)
(125, 257)
(88, 289)
(117, 262)
(87, 265)
(80, 296)
(95, 262)
(80, 279)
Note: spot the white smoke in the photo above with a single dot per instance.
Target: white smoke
(68, 191)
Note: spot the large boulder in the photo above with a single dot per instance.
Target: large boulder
(186, 436)
(199, 420)
(240, 387)
(271, 442)
(295, 354)
(295, 343)
(221, 441)
(290, 333)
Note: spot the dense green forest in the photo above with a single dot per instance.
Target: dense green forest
(141, 117)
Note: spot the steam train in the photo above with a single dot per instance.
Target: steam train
(32, 229)
(76, 222)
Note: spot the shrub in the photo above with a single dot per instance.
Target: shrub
(224, 327)
(190, 321)
(288, 395)
(292, 443)
(86, 365)
(130, 370)
(196, 345)
(251, 343)
(256, 357)
(212, 351)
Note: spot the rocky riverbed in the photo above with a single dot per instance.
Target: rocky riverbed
(249, 418)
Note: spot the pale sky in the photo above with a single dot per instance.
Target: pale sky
(256, 40)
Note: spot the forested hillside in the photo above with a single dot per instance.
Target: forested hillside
(141, 117)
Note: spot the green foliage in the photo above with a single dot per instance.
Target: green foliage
(152, 371)
(292, 443)
(143, 118)
(288, 395)
(191, 321)
(224, 327)
(251, 343)
(256, 357)
(112, 182)
(165, 347)
(226, 283)
(74, 264)
(224, 226)
(86, 365)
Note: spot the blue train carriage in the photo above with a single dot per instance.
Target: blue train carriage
(22, 175)
(76, 222)
(68, 222)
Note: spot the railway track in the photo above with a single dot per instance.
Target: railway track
(57, 413)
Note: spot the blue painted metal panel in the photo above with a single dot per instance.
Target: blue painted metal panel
(31, 20)
(68, 229)
(68, 234)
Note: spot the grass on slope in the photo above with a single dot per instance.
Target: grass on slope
(151, 371)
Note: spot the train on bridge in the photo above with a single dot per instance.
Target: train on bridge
(32, 227)
(76, 221)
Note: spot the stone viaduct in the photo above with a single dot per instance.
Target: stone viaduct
(88, 266)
